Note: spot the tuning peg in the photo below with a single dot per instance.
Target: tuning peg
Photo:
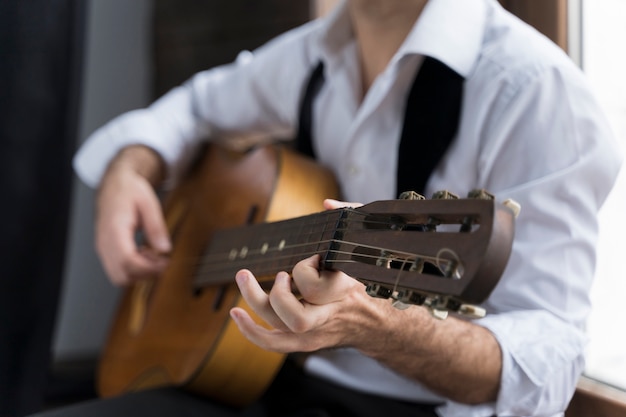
(411, 195)
(444, 195)
(400, 305)
(480, 194)
(410, 297)
(439, 314)
(513, 205)
(377, 291)
(471, 311)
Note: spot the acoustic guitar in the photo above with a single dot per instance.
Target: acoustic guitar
(262, 210)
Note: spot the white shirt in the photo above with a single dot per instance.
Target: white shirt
(530, 130)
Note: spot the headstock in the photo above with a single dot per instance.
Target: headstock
(446, 253)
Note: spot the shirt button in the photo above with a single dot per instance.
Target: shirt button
(353, 170)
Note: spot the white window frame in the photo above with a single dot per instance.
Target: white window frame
(597, 393)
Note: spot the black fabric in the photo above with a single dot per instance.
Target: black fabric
(296, 394)
(304, 140)
(431, 120)
(293, 394)
(39, 67)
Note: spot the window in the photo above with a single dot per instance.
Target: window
(604, 61)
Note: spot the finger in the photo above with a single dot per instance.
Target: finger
(269, 339)
(257, 299)
(154, 261)
(139, 265)
(123, 261)
(320, 287)
(288, 308)
(114, 250)
(298, 315)
(284, 341)
(153, 223)
(308, 280)
(331, 204)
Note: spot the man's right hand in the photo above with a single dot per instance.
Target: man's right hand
(127, 203)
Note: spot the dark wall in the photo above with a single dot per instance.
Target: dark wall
(40, 57)
(192, 35)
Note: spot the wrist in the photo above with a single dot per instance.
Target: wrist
(141, 160)
(384, 329)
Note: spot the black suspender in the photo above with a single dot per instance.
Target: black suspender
(431, 120)
(304, 140)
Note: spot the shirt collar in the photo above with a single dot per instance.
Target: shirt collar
(448, 30)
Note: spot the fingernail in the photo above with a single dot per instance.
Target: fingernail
(163, 245)
(241, 277)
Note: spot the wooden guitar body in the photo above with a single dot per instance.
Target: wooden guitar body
(170, 332)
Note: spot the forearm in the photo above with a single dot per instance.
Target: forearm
(455, 358)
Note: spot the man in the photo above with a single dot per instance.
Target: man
(528, 129)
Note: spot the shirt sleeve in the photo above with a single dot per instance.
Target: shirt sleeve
(255, 96)
(548, 147)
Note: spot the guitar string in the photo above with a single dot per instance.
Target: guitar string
(250, 254)
(295, 230)
(290, 231)
(227, 264)
(247, 254)
(274, 265)
(258, 253)
(328, 219)
(288, 227)
(257, 257)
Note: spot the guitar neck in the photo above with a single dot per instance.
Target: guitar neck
(437, 248)
(267, 248)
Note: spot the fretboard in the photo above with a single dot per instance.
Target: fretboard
(267, 248)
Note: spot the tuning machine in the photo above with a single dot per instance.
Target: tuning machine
(472, 311)
(438, 306)
(482, 194)
(411, 195)
(444, 195)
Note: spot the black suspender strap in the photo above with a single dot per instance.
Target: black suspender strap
(304, 140)
(431, 121)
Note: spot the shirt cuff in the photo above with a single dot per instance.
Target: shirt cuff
(174, 137)
(542, 359)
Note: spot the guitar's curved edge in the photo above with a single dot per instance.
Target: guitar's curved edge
(237, 372)
(301, 186)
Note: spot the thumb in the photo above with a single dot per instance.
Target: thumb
(330, 204)
(153, 224)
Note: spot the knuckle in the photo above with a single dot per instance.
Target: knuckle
(126, 263)
(300, 325)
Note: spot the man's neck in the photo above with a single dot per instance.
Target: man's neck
(386, 11)
(380, 27)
